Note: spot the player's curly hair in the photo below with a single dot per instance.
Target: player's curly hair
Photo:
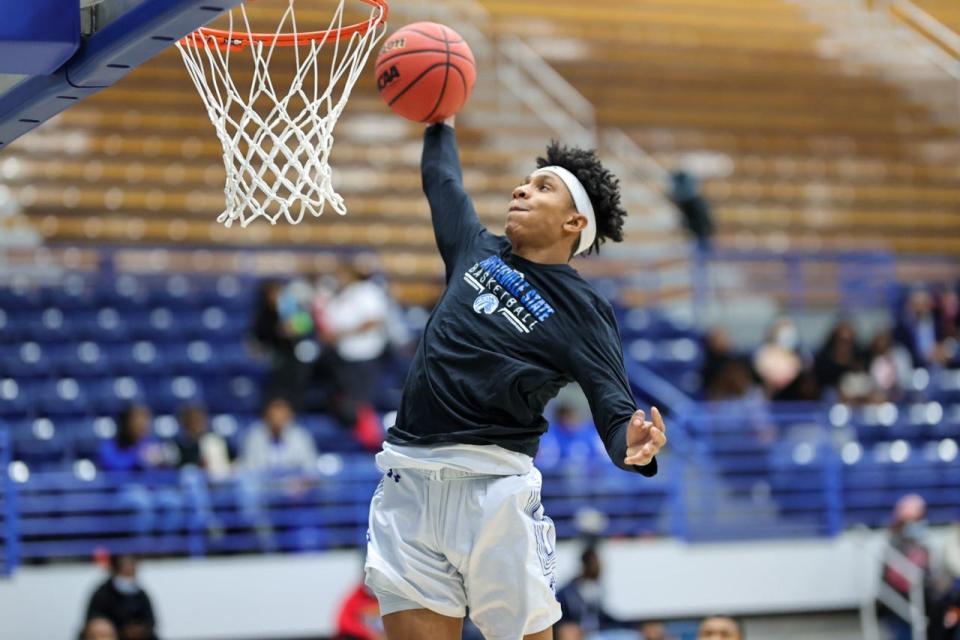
(602, 186)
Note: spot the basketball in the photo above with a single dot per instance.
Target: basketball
(425, 72)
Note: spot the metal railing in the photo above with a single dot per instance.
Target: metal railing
(9, 551)
(946, 51)
(910, 607)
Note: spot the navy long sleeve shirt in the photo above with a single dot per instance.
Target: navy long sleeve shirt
(505, 336)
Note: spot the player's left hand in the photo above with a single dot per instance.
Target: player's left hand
(645, 439)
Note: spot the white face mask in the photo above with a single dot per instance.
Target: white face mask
(126, 586)
(788, 338)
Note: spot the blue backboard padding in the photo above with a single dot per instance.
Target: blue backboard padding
(103, 59)
(38, 36)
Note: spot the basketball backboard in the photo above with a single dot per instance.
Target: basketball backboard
(114, 37)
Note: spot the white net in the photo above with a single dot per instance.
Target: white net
(277, 140)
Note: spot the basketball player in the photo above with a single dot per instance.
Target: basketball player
(456, 522)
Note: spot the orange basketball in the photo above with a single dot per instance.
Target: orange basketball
(425, 72)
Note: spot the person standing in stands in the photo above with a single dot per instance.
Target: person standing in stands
(122, 601)
(354, 324)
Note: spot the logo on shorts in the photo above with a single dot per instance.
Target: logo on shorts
(486, 303)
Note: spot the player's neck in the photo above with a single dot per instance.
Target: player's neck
(543, 255)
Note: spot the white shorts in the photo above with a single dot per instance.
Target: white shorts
(447, 540)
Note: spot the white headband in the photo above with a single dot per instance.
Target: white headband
(581, 201)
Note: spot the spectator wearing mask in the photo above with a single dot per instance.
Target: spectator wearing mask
(581, 602)
(98, 629)
(720, 628)
(354, 322)
(780, 367)
(132, 452)
(123, 602)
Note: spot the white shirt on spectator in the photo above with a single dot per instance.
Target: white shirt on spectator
(293, 451)
(358, 304)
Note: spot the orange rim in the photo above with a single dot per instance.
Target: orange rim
(204, 37)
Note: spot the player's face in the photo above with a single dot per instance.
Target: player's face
(539, 211)
(718, 629)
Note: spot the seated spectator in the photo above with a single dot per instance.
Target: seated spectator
(919, 331)
(720, 628)
(134, 451)
(726, 373)
(123, 602)
(571, 440)
(133, 448)
(203, 457)
(276, 459)
(780, 367)
(890, 366)
(98, 629)
(839, 356)
(199, 447)
(581, 602)
(276, 444)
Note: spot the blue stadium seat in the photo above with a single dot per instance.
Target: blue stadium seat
(158, 324)
(41, 443)
(79, 360)
(168, 395)
(15, 398)
(76, 292)
(233, 394)
(111, 395)
(142, 358)
(123, 293)
(103, 325)
(46, 325)
(28, 360)
(66, 396)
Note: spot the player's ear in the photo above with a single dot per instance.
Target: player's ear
(575, 223)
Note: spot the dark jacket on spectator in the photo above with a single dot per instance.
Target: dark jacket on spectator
(123, 609)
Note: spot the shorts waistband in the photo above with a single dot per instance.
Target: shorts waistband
(439, 474)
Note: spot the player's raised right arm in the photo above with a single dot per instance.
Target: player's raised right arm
(455, 221)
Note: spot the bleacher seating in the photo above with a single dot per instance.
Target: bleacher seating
(822, 156)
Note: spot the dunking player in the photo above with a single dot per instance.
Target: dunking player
(456, 522)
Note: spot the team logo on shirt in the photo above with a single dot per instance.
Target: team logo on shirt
(504, 291)
(486, 303)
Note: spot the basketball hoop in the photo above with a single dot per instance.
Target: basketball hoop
(276, 143)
